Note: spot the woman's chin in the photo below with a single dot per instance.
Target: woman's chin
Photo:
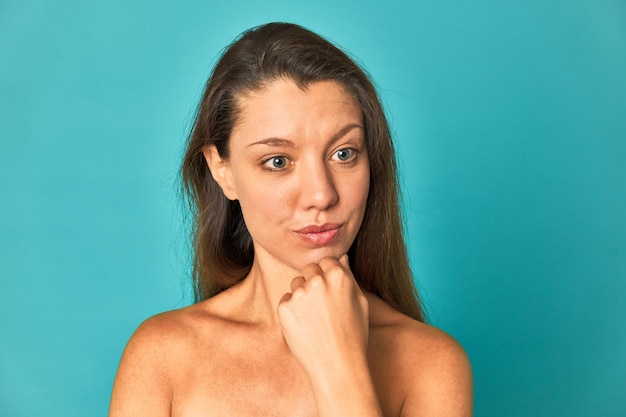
(316, 255)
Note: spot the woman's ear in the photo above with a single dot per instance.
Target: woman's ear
(220, 170)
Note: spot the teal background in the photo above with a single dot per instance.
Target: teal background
(511, 129)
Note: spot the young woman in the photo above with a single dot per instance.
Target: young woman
(305, 300)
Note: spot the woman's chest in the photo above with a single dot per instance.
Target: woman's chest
(243, 385)
(262, 382)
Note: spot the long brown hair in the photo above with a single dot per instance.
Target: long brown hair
(222, 245)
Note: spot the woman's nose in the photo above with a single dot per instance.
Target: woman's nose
(317, 187)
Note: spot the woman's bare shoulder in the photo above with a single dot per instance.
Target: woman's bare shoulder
(168, 327)
(431, 366)
(178, 329)
(159, 354)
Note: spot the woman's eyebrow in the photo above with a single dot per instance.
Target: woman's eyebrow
(343, 131)
(273, 142)
(284, 142)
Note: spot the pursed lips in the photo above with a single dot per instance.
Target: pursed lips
(319, 234)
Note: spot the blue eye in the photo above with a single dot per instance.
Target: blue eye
(345, 154)
(277, 162)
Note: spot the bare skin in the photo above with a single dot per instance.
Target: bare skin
(297, 337)
(180, 364)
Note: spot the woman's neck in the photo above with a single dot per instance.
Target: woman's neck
(260, 291)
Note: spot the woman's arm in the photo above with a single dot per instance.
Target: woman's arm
(325, 323)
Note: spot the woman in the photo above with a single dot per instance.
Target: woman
(305, 301)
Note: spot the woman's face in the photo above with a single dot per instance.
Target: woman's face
(299, 167)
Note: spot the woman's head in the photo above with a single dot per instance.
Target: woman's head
(299, 169)
(223, 247)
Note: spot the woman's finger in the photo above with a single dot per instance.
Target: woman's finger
(311, 270)
(286, 297)
(344, 261)
(297, 282)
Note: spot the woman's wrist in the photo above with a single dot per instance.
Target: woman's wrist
(345, 389)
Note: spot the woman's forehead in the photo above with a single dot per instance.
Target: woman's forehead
(284, 109)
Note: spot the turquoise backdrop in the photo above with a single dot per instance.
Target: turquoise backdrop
(510, 119)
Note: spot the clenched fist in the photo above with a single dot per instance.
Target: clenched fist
(324, 318)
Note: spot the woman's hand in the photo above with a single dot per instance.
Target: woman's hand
(325, 322)
(325, 317)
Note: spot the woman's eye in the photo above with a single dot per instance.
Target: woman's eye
(276, 162)
(345, 154)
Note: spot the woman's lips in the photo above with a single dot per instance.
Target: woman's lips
(319, 235)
